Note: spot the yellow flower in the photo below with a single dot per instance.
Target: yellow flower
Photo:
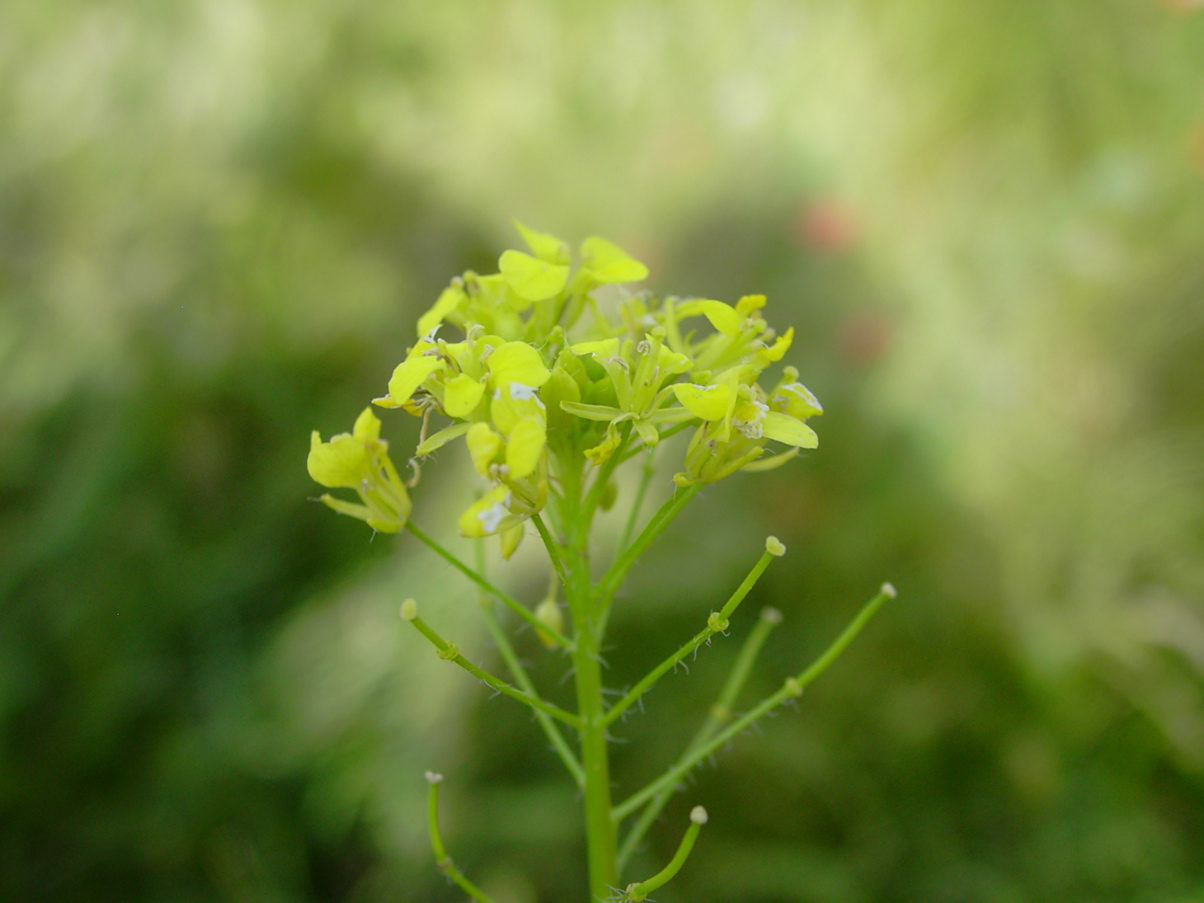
(359, 460)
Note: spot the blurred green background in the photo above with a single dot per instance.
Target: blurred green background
(218, 222)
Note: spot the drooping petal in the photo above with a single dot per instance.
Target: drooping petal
(483, 445)
(511, 539)
(525, 446)
(784, 428)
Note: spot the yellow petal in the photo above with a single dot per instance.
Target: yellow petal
(722, 316)
(525, 446)
(603, 349)
(517, 362)
(489, 514)
(544, 246)
(748, 305)
(607, 262)
(511, 540)
(484, 445)
(461, 395)
(410, 374)
(511, 403)
(796, 400)
(531, 278)
(341, 462)
(707, 402)
(775, 351)
(367, 427)
(784, 428)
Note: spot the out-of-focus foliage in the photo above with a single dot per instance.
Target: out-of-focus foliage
(218, 221)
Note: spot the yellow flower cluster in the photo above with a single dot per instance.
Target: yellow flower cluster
(545, 373)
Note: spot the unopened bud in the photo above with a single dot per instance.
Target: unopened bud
(888, 590)
(433, 777)
(409, 610)
(774, 546)
(698, 815)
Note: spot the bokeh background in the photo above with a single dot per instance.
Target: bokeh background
(218, 222)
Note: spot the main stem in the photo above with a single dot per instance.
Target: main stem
(587, 664)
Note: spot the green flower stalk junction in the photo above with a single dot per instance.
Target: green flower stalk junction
(553, 386)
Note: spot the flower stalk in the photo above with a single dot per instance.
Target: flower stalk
(553, 387)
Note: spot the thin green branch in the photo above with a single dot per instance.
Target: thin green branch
(716, 623)
(509, 601)
(448, 651)
(720, 714)
(637, 893)
(442, 860)
(627, 557)
(553, 548)
(791, 688)
(633, 515)
(555, 737)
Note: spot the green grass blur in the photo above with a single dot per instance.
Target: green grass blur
(218, 222)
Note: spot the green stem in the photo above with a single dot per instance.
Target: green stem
(553, 549)
(636, 893)
(720, 714)
(510, 602)
(599, 828)
(791, 688)
(442, 860)
(716, 623)
(452, 654)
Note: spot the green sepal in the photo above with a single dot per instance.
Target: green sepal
(441, 438)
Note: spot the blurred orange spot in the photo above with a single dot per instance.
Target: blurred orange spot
(865, 336)
(827, 224)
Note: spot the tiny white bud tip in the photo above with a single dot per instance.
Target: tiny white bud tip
(888, 590)
(698, 815)
(409, 610)
(433, 777)
(771, 614)
(774, 547)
